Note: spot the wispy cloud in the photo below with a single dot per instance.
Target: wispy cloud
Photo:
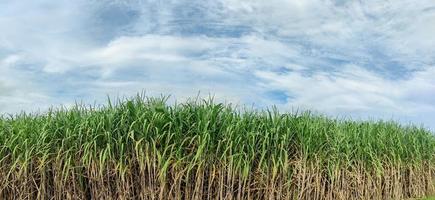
(353, 58)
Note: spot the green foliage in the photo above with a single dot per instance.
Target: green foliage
(203, 133)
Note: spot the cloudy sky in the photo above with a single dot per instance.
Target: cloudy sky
(359, 59)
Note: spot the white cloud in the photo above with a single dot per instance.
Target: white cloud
(341, 57)
(180, 66)
(402, 30)
(354, 90)
(18, 90)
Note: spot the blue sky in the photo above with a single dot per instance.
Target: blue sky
(359, 59)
